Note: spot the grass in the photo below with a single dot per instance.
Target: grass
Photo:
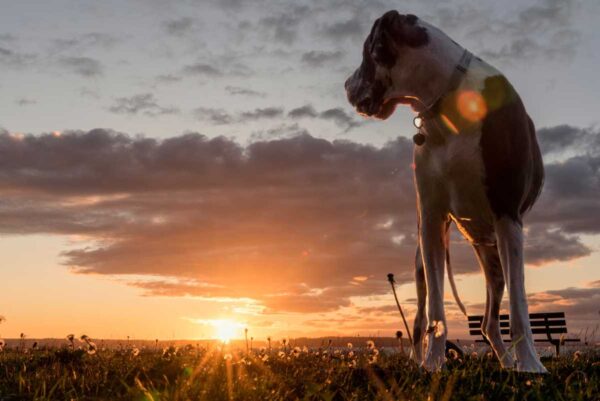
(213, 374)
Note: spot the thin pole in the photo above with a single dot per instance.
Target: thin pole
(392, 283)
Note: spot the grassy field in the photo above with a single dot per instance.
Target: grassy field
(215, 373)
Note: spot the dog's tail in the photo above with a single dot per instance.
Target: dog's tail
(461, 306)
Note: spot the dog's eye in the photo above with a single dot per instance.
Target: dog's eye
(382, 55)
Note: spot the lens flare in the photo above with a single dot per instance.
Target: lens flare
(471, 106)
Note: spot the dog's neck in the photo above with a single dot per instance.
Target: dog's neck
(443, 54)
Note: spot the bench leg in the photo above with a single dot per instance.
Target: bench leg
(509, 234)
(489, 261)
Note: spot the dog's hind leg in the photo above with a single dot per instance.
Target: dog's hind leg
(489, 261)
(420, 323)
(509, 234)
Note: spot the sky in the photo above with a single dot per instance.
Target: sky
(168, 165)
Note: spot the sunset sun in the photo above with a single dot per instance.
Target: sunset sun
(226, 330)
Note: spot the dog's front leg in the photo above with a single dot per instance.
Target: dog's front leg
(509, 234)
(432, 230)
(420, 324)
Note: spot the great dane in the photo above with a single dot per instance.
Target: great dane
(477, 163)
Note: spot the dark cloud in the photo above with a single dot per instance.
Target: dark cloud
(236, 90)
(546, 245)
(220, 116)
(565, 139)
(214, 116)
(23, 101)
(179, 27)
(167, 78)
(84, 66)
(297, 223)
(87, 41)
(15, 59)
(352, 28)
(280, 131)
(7, 37)
(256, 114)
(338, 115)
(303, 111)
(316, 58)
(202, 69)
(283, 27)
(144, 103)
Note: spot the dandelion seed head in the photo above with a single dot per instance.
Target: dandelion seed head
(453, 354)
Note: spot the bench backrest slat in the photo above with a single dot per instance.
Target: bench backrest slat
(551, 330)
(534, 323)
(532, 316)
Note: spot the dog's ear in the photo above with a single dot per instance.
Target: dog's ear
(404, 29)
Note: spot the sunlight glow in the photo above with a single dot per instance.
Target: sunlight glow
(226, 330)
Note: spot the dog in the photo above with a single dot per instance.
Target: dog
(477, 163)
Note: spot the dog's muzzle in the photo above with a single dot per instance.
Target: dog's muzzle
(365, 96)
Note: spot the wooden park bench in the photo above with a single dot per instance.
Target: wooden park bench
(541, 324)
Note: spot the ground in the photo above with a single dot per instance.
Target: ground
(284, 373)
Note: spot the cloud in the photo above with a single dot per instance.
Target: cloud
(343, 30)
(15, 59)
(220, 116)
(144, 103)
(338, 115)
(202, 69)
(316, 58)
(546, 245)
(257, 114)
(544, 30)
(23, 101)
(564, 139)
(214, 116)
(303, 111)
(167, 78)
(283, 27)
(87, 41)
(84, 66)
(179, 27)
(580, 304)
(289, 222)
(236, 90)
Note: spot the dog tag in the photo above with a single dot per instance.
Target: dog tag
(418, 122)
(419, 139)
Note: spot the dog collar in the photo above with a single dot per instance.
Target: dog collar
(457, 75)
(455, 79)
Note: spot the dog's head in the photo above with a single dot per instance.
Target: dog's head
(392, 66)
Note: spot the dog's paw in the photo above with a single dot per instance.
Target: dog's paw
(507, 361)
(435, 356)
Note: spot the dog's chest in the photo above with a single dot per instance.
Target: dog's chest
(454, 171)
